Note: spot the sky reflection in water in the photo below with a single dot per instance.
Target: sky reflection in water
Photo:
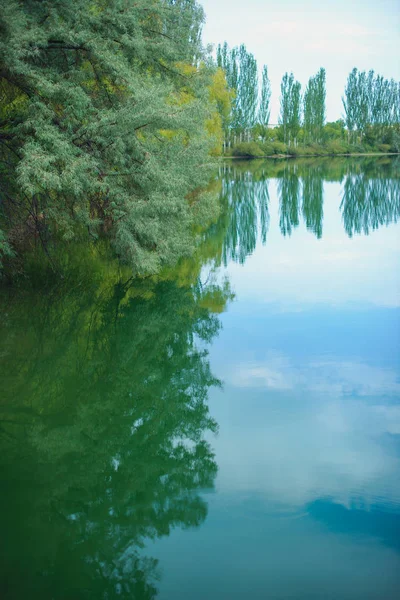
(115, 484)
(307, 501)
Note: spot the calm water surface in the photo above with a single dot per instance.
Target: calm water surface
(228, 430)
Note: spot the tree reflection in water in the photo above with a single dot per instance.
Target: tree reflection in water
(103, 413)
(370, 198)
(103, 421)
(369, 202)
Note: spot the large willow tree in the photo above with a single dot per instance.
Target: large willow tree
(103, 106)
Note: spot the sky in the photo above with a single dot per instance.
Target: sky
(302, 36)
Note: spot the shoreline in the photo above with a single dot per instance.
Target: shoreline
(281, 156)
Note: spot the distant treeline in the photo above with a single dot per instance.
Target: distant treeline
(371, 110)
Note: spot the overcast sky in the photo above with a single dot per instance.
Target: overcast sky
(304, 35)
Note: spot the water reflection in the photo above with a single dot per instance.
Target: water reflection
(369, 203)
(105, 425)
(103, 421)
(289, 197)
(370, 198)
(245, 202)
(356, 520)
(313, 202)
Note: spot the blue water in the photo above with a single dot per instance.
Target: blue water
(228, 429)
(307, 497)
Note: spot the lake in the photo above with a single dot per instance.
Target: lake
(227, 429)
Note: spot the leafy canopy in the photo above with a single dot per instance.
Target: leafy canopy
(88, 89)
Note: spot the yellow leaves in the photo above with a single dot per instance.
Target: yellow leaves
(168, 134)
(221, 98)
(185, 94)
(111, 87)
(220, 93)
(214, 129)
(186, 69)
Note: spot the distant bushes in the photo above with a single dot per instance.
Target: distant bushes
(384, 147)
(329, 148)
(247, 150)
(254, 149)
(279, 148)
(337, 147)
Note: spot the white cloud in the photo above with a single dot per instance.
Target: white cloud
(295, 451)
(324, 378)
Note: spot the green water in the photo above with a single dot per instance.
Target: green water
(227, 430)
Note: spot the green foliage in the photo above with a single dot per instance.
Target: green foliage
(221, 97)
(247, 150)
(334, 130)
(336, 147)
(279, 148)
(105, 425)
(246, 211)
(102, 126)
(395, 147)
(314, 107)
(384, 147)
(370, 202)
(267, 148)
(263, 133)
(290, 112)
(241, 72)
(257, 149)
(5, 248)
(333, 134)
(264, 108)
(371, 197)
(371, 104)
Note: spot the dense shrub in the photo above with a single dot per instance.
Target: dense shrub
(267, 149)
(356, 148)
(384, 147)
(395, 147)
(247, 150)
(337, 147)
(279, 148)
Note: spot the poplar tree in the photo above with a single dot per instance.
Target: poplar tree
(320, 101)
(295, 112)
(308, 112)
(314, 107)
(264, 110)
(242, 76)
(370, 101)
(290, 113)
(284, 115)
(350, 102)
(248, 89)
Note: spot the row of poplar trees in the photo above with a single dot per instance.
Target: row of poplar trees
(369, 101)
(307, 111)
(247, 108)
(251, 104)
